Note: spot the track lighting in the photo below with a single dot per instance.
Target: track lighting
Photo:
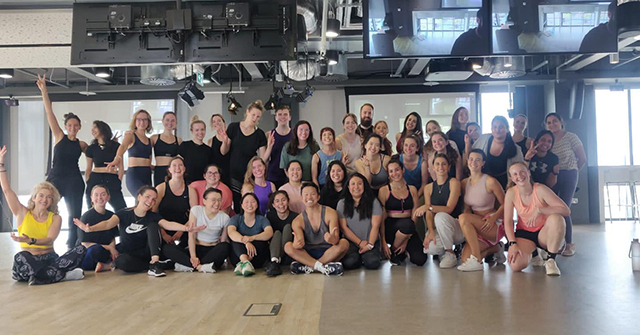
(333, 28)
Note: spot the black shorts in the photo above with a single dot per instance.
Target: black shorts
(531, 236)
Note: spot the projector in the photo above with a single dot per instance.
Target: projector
(450, 69)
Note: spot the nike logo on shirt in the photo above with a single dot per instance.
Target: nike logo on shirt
(135, 228)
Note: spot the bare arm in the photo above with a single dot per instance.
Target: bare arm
(193, 197)
(494, 187)
(53, 232)
(459, 168)
(376, 223)
(555, 205)
(314, 168)
(264, 236)
(424, 171)
(101, 226)
(12, 199)
(87, 172)
(348, 233)
(298, 232)
(48, 107)
(234, 235)
(581, 156)
(508, 215)
(161, 189)
(170, 225)
(192, 236)
(452, 202)
(127, 141)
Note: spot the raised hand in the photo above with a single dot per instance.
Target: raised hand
(272, 139)
(467, 141)
(532, 152)
(332, 236)
(42, 83)
(3, 152)
(83, 226)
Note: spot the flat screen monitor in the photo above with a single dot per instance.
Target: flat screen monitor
(425, 28)
(562, 26)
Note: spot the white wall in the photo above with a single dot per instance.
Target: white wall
(325, 109)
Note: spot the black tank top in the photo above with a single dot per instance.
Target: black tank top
(523, 145)
(440, 196)
(399, 205)
(175, 207)
(66, 154)
(163, 149)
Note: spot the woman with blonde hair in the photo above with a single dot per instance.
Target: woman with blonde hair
(165, 147)
(195, 152)
(38, 227)
(255, 181)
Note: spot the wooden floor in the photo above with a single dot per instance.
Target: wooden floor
(596, 294)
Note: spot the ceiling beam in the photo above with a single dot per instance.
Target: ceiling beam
(596, 57)
(419, 66)
(254, 72)
(88, 75)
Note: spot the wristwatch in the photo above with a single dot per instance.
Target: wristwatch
(32, 241)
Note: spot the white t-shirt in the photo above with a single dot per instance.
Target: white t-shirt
(215, 226)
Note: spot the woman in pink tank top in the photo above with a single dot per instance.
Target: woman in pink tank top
(481, 222)
(540, 220)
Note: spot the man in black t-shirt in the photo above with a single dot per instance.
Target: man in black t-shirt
(603, 37)
(473, 42)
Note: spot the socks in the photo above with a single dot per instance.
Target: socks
(275, 260)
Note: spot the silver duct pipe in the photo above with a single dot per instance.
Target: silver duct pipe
(307, 9)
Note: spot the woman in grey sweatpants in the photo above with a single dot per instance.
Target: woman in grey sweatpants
(570, 152)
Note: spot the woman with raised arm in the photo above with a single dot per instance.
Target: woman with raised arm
(209, 247)
(38, 227)
(372, 160)
(101, 151)
(382, 128)
(139, 247)
(570, 151)
(165, 147)
(245, 139)
(500, 149)
(543, 164)
(519, 125)
(255, 181)
(301, 147)
(101, 246)
(294, 186)
(174, 201)
(212, 180)
(216, 156)
(441, 209)
(459, 121)
(360, 218)
(138, 146)
(280, 218)
(399, 200)
(412, 126)
(349, 142)
(250, 234)
(481, 222)
(440, 145)
(332, 190)
(195, 152)
(65, 173)
(540, 220)
(321, 159)
(416, 169)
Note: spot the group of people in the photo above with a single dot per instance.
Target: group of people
(267, 199)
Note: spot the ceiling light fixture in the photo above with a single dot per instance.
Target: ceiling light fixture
(333, 28)
(332, 57)
(6, 73)
(102, 72)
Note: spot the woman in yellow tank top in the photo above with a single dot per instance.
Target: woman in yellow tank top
(39, 226)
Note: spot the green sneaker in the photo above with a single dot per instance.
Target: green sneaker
(238, 269)
(248, 269)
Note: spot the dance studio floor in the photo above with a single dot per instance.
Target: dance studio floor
(596, 294)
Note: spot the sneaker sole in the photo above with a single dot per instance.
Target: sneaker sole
(153, 274)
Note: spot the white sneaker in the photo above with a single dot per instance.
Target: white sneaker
(537, 260)
(569, 250)
(177, 267)
(322, 269)
(75, 274)
(471, 264)
(500, 256)
(448, 260)
(207, 268)
(552, 267)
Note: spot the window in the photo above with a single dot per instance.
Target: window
(612, 117)
(635, 122)
(494, 104)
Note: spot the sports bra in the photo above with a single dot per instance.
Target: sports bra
(35, 229)
(139, 149)
(380, 178)
(477, 197)
(396, 205)
(164, 149)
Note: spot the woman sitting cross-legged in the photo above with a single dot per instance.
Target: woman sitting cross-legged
(139, 245)
(209, 247)
(360, 216)
(101, 246)
(280, 218)
(250, 234)
(540, 220)
(39, 225)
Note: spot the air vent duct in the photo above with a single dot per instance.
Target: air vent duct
(299, 70)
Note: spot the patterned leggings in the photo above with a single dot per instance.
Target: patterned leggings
(47, 268)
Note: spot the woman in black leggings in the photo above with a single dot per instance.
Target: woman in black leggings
(65, 173)
(102, 150)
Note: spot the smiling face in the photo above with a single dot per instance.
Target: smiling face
(142, 120)
(463, 116)
(249, 205)
(411, 122)
(310, 196)
(294, 172)
(499, 130)
(474, 132)
(396, 173)
(441, 166)
(382, 129)
(349, 125)
(356, 187)
(281, 203)
(544, 143)
(553, 123)
(253, 116)
(42, 199)
(439, 143)
(217, 123)
(327, 138)
(303, 133)
(95, 132)
(283, 116)
(373, 146)
(176, 168)
(72, 126)
(198, 131)
(519, 174)
(147, 200)
(169, 121)
(432, 127)
(366, 115)
(409, 146)
(520, 123)
(336, 174)
(212, 176)
(99, 197)
(475, 162)
(213, 201)
(257, 169)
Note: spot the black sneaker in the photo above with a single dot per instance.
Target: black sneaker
(395, 259)
(273, 269)
(299, 268)
(335, 269)
(156, 270)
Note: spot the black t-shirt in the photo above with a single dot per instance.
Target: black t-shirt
(540, 167)
(496, 166)
(243, 148)
(133, 229)
(196, 158)
(102, 154)
(222, 161)
(329, 197)
(599, 39)
(92, 217)
(470, 44)
(457, 136)
(278, 224)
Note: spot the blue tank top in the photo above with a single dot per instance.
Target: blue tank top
(325, 160)
(413, 177)
(139, 149)
(274, 172)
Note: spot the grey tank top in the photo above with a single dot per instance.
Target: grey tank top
(315, 239)
(381, 178)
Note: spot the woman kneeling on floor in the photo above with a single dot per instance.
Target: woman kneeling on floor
(208, 248)
(540, 220)
(39, 226)
(101, 246)
(250, 234)
(139, 245)
(360, 216)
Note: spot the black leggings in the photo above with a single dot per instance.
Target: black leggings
(112, 183)
(407, 227)
(47, 268)
(159, 173)
(353, 259)
(236, 188)
(71, 188)
(137, 259)
(137, 177)
(213, 254)
(262, 253)
(95, 254)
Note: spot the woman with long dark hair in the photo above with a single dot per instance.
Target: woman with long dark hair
(416, 169)
(440, 144)
(360, 217)
(65, 172)
(373, 160)
(165, 147)
(301, 147)
(459, 121)
(332, 190)
(500, 149)
(382, 128)
(101, 151)
(412, 126)
(280, 217)
(543, 164)
(570, 152)
(321, 159)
